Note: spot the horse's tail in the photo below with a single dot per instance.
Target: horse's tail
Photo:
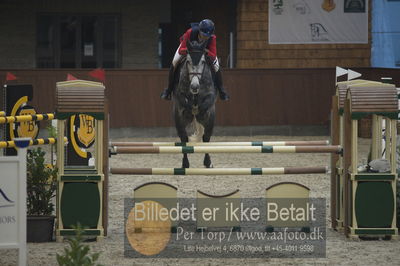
(198, 131)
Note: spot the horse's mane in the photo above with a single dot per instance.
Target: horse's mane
(196, 50)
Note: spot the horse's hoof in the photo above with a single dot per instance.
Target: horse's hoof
(210, 166)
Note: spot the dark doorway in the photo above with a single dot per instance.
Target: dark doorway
(78, 41)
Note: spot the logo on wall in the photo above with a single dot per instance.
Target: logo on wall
(302, 8)
(85, 129)
(354, 6)
(28, 129)
(277, 7)
(4, 200)
(328, 5)
(318, 32)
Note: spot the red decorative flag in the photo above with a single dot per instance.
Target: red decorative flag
(99, 74)
(10, 76)
(70, 77)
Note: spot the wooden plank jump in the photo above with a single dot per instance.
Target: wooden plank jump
(25, 118)
(220, 171)
(243, 143)
(227, 149)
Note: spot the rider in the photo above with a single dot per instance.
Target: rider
(203, 31)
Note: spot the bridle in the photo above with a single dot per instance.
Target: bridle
(193, 74)
(199, 75)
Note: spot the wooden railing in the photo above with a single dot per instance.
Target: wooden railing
(262, 97)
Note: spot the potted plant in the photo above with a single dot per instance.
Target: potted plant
(41, 188)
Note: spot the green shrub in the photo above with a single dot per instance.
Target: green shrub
(77, 253)
(41, 184)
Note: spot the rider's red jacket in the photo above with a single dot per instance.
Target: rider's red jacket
(211, 46)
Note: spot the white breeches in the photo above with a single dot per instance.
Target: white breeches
(177, 58)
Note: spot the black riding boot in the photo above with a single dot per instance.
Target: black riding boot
(223, 95)
(166, 94)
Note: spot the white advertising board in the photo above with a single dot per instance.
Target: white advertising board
(13, 203)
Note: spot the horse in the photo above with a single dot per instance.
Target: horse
(194, 98)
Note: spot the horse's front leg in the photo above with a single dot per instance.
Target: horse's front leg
(184, 138)
(208, 129)
(185, 159)
(207, 159)
(181, 130)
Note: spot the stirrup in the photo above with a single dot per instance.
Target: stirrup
(223, 95)
(166, 95)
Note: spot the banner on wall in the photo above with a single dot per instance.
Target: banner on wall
(318, 21)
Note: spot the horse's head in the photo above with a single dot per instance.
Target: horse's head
(196, 64)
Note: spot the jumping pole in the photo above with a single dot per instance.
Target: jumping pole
(240, 143)
(227, 149)
(220, 171)
(25, 118)
(11, 144)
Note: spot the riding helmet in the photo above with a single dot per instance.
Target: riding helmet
(206, 27)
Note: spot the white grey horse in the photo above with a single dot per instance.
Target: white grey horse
(194, 98)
